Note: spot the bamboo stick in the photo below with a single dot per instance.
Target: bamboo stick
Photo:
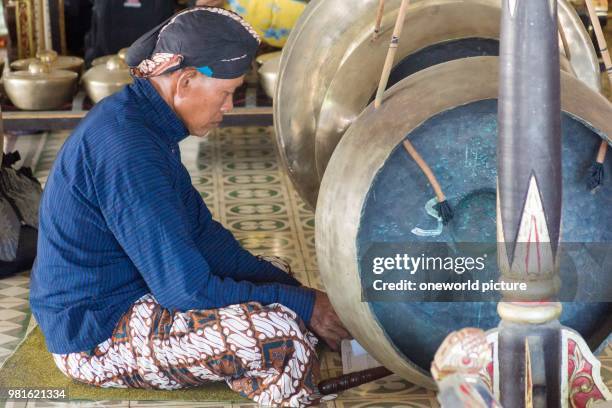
(379, 15)
(564, 41)
(397, 32)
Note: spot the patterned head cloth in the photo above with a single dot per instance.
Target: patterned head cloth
(217, 42)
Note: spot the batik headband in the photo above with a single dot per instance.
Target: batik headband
(217, 42)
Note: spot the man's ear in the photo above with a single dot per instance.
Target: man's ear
(185, 78)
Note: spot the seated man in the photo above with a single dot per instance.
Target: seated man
(135, 285)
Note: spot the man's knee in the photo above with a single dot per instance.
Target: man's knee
(288, 323)
(279, 262)
(283, 338)
(76, 367)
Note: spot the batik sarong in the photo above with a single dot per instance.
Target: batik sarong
(265, 353)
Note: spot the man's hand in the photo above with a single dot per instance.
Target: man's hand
(325, 322)
(210, 3)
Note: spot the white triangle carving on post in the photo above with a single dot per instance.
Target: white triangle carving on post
(512, 6)
(533, 254)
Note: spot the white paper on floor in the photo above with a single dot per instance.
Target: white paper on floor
(355, 358)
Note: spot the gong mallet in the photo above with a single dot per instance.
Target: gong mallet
(379, 15)
(397, 32)
(352, 380)
(596, 171)
(445, 211)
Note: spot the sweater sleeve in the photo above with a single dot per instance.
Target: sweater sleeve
(239, 263)
(151, 223)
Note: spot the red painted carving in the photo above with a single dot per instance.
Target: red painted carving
(583, 391)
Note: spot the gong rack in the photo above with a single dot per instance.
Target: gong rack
(253, 109)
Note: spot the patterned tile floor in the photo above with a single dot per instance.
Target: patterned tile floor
(237, 172)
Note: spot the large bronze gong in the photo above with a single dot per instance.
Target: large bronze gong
(372, 191)
(330, 67)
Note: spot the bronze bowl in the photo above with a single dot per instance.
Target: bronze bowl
(104, 59)
(54, 61)
(40, 87)
(105, 79)
(268, 74)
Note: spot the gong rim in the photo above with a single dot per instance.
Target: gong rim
(302, 88)
(582, 51)
(428, 93)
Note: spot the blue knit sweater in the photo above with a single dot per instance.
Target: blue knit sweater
(119, 218)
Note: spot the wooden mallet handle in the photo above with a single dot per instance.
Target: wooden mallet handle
(564, 42)
(425, 169)
(379, 15)
(601, 153)
(397, 32)
(352, 380)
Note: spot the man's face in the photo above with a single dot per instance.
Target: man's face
(201, 101)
